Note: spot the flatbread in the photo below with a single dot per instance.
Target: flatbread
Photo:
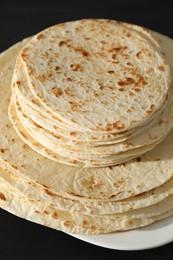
(96, 66)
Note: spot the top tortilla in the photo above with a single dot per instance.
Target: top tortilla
(78, 69)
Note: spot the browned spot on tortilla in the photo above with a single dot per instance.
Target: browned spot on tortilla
(39, 126)
(57, 91)
(74, 194)
(25, 146)
(23, 135)
(118, 125)
(23, 53)
(161, 122)
(101, 87)
(138, 159)
(46, 212)
(131, 93)
(69, 79)
(118, 49)
(138, 54)
(137, 89)
(129, 222)
(82, 51)
(54, 215)
(114, 55)
(40, 36)
(150, 110)
(67, 223)
(18, 83)
(125, 82)
(84, 222)
(2, 150)
(35, 102)
(50, 193)
(61, 43)
(37, 211)
(76, 67)
(110, 71)
(121, 89)
(57, 68)
(161, 68)
(41, 78)
(149, 71)
(128, 34)
(72, 133)
(2, 196)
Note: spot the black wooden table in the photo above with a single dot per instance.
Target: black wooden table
(20, 239)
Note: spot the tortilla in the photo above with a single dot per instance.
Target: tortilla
(96, 66)
(81, 200)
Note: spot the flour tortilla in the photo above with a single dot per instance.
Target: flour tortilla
(45, 148)
(43, 214)
(93, 64)
(56, 146)
(104, 184)
(39, 113)
(36, 192)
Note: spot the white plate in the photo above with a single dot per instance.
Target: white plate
(155, 235)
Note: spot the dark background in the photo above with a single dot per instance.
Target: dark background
(20, 239)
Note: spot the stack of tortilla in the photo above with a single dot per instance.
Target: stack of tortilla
(84, 91)
(86, 98)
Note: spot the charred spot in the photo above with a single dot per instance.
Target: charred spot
(18, 83)
(69, 79)
(110, 71)
(2, 150)
(2, 196)
(57, 68)
(61, 43)
(138, 159)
